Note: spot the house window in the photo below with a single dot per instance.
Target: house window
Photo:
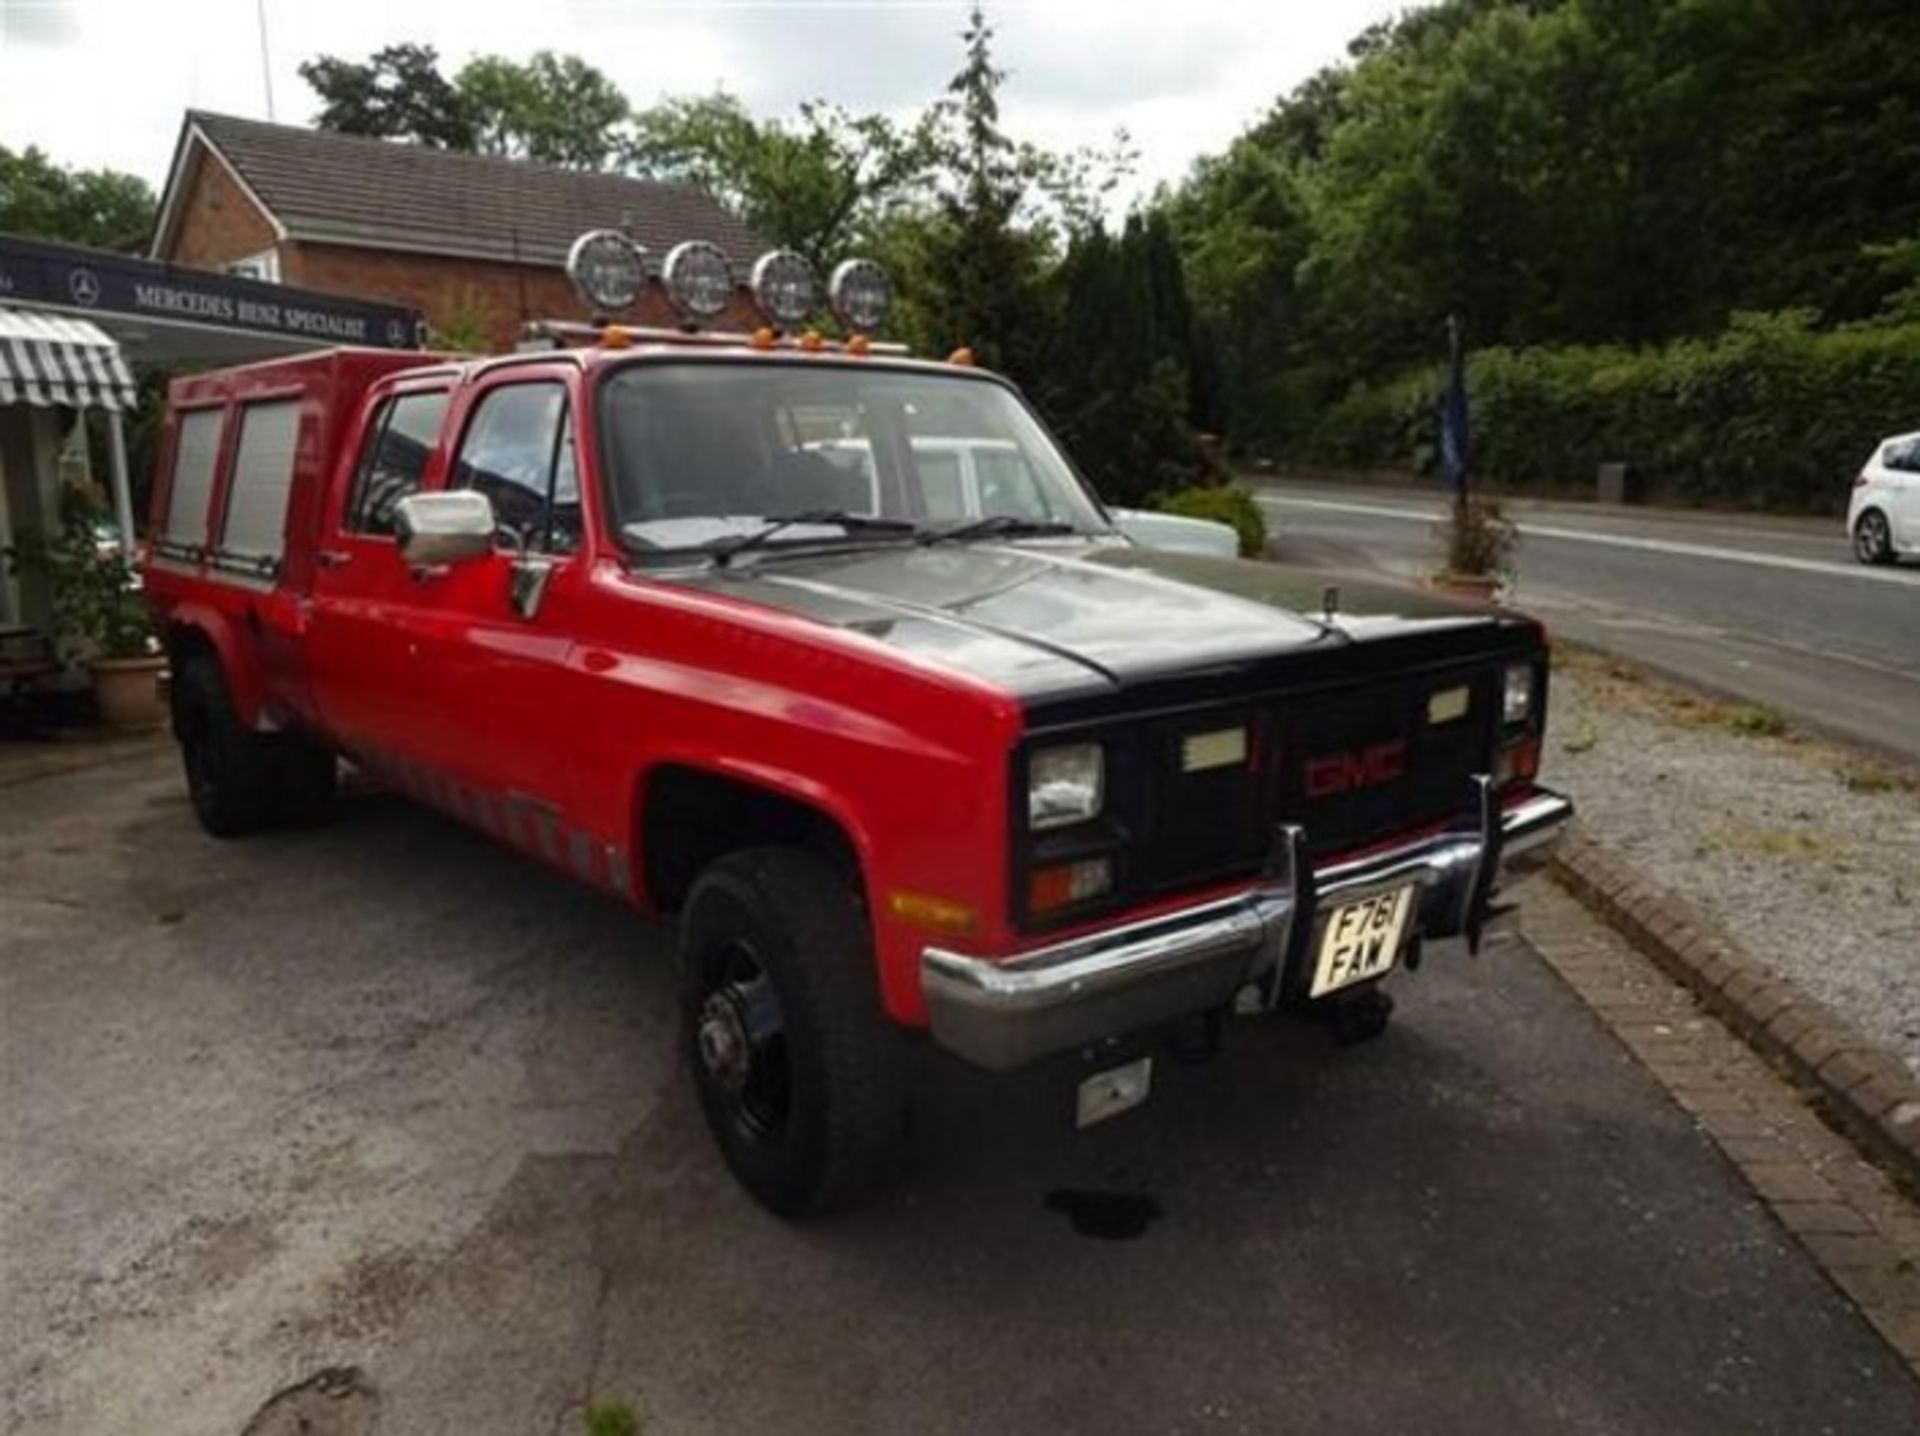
(264, 265)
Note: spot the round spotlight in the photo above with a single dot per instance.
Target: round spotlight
(860, 294)
(607, 270)
(783, 286)
(698, 278)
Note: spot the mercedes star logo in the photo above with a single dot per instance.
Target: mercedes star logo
(84, 285)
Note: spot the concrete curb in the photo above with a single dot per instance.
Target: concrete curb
(1863, 1089)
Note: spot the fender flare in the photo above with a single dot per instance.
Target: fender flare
(775, 781)
(237, 668)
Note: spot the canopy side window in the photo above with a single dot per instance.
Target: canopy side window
(196, 459)
(263, 462)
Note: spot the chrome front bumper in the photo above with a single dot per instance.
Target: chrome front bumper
(1002, 1013)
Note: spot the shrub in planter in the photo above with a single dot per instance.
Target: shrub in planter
(1223, 504)
(97, 616)
(1479, 547)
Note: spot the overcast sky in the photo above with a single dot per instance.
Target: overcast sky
(103, 82)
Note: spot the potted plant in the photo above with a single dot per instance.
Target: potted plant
(96, 615)
(1479, 542)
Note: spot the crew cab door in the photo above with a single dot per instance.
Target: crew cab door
(491, 636)
(361, 665)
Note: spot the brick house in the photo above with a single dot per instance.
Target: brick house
(476, 243)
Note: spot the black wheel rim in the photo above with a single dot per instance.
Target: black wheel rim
(1868, 540)
(740, 1044)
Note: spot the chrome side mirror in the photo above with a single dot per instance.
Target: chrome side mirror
(441, 528)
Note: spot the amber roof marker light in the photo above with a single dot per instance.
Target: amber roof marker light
(607, 270)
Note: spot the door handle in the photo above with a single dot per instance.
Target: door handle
(332, 557)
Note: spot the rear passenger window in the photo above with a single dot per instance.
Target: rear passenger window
(256, 524)
(393, 460)
(518, 451)
(196, 453)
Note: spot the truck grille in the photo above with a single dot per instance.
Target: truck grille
(1352, 767)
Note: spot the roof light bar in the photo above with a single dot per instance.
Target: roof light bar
(607, 270)
(698, 279)
(860, 295)
(783, 287)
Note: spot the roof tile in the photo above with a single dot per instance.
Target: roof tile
(350, 189)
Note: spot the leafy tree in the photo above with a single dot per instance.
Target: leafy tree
(815, 183)
(1555, 171)
(1118, 378)
(555, 108)
(396, 94)
(97, 207)
(975, 266)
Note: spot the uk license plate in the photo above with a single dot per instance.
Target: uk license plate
(1360, 939)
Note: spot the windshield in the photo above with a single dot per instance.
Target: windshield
(702, 454)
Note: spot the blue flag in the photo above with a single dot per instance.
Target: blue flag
(1456, 452)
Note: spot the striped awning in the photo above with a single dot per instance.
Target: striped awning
(48, 359)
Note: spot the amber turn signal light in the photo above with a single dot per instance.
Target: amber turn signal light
(927, 911)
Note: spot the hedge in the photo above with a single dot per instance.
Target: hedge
(1770, 414)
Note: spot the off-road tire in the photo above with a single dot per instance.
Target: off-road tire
(1872, 538)
(232, 774)
(307, 780)
(791, 916)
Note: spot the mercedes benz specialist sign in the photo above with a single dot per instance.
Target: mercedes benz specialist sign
(83, 281)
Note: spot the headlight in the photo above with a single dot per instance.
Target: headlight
(1065, 785)
(1516, 703)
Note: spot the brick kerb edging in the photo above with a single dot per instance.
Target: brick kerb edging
(1866, 1090)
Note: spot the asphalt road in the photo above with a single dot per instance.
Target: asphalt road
(386, 1094)
(1774, 612)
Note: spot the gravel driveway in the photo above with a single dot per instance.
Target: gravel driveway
(385, 1095)
(1807, 853)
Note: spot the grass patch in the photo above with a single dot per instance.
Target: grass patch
(1871, 778)
(1756, 719)
(1583, 739)
(611, 1417)
(1773, 842)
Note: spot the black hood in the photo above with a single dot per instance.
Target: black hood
(1063, 623)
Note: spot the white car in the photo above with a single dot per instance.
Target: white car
(968, 477)
(1884, 516)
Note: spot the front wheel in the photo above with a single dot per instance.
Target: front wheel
(1872, 540)
(797, 1066)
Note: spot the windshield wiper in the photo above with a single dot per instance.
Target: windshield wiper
(723, 550)
(997, 526)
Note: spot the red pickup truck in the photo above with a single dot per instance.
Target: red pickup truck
(726, 628)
